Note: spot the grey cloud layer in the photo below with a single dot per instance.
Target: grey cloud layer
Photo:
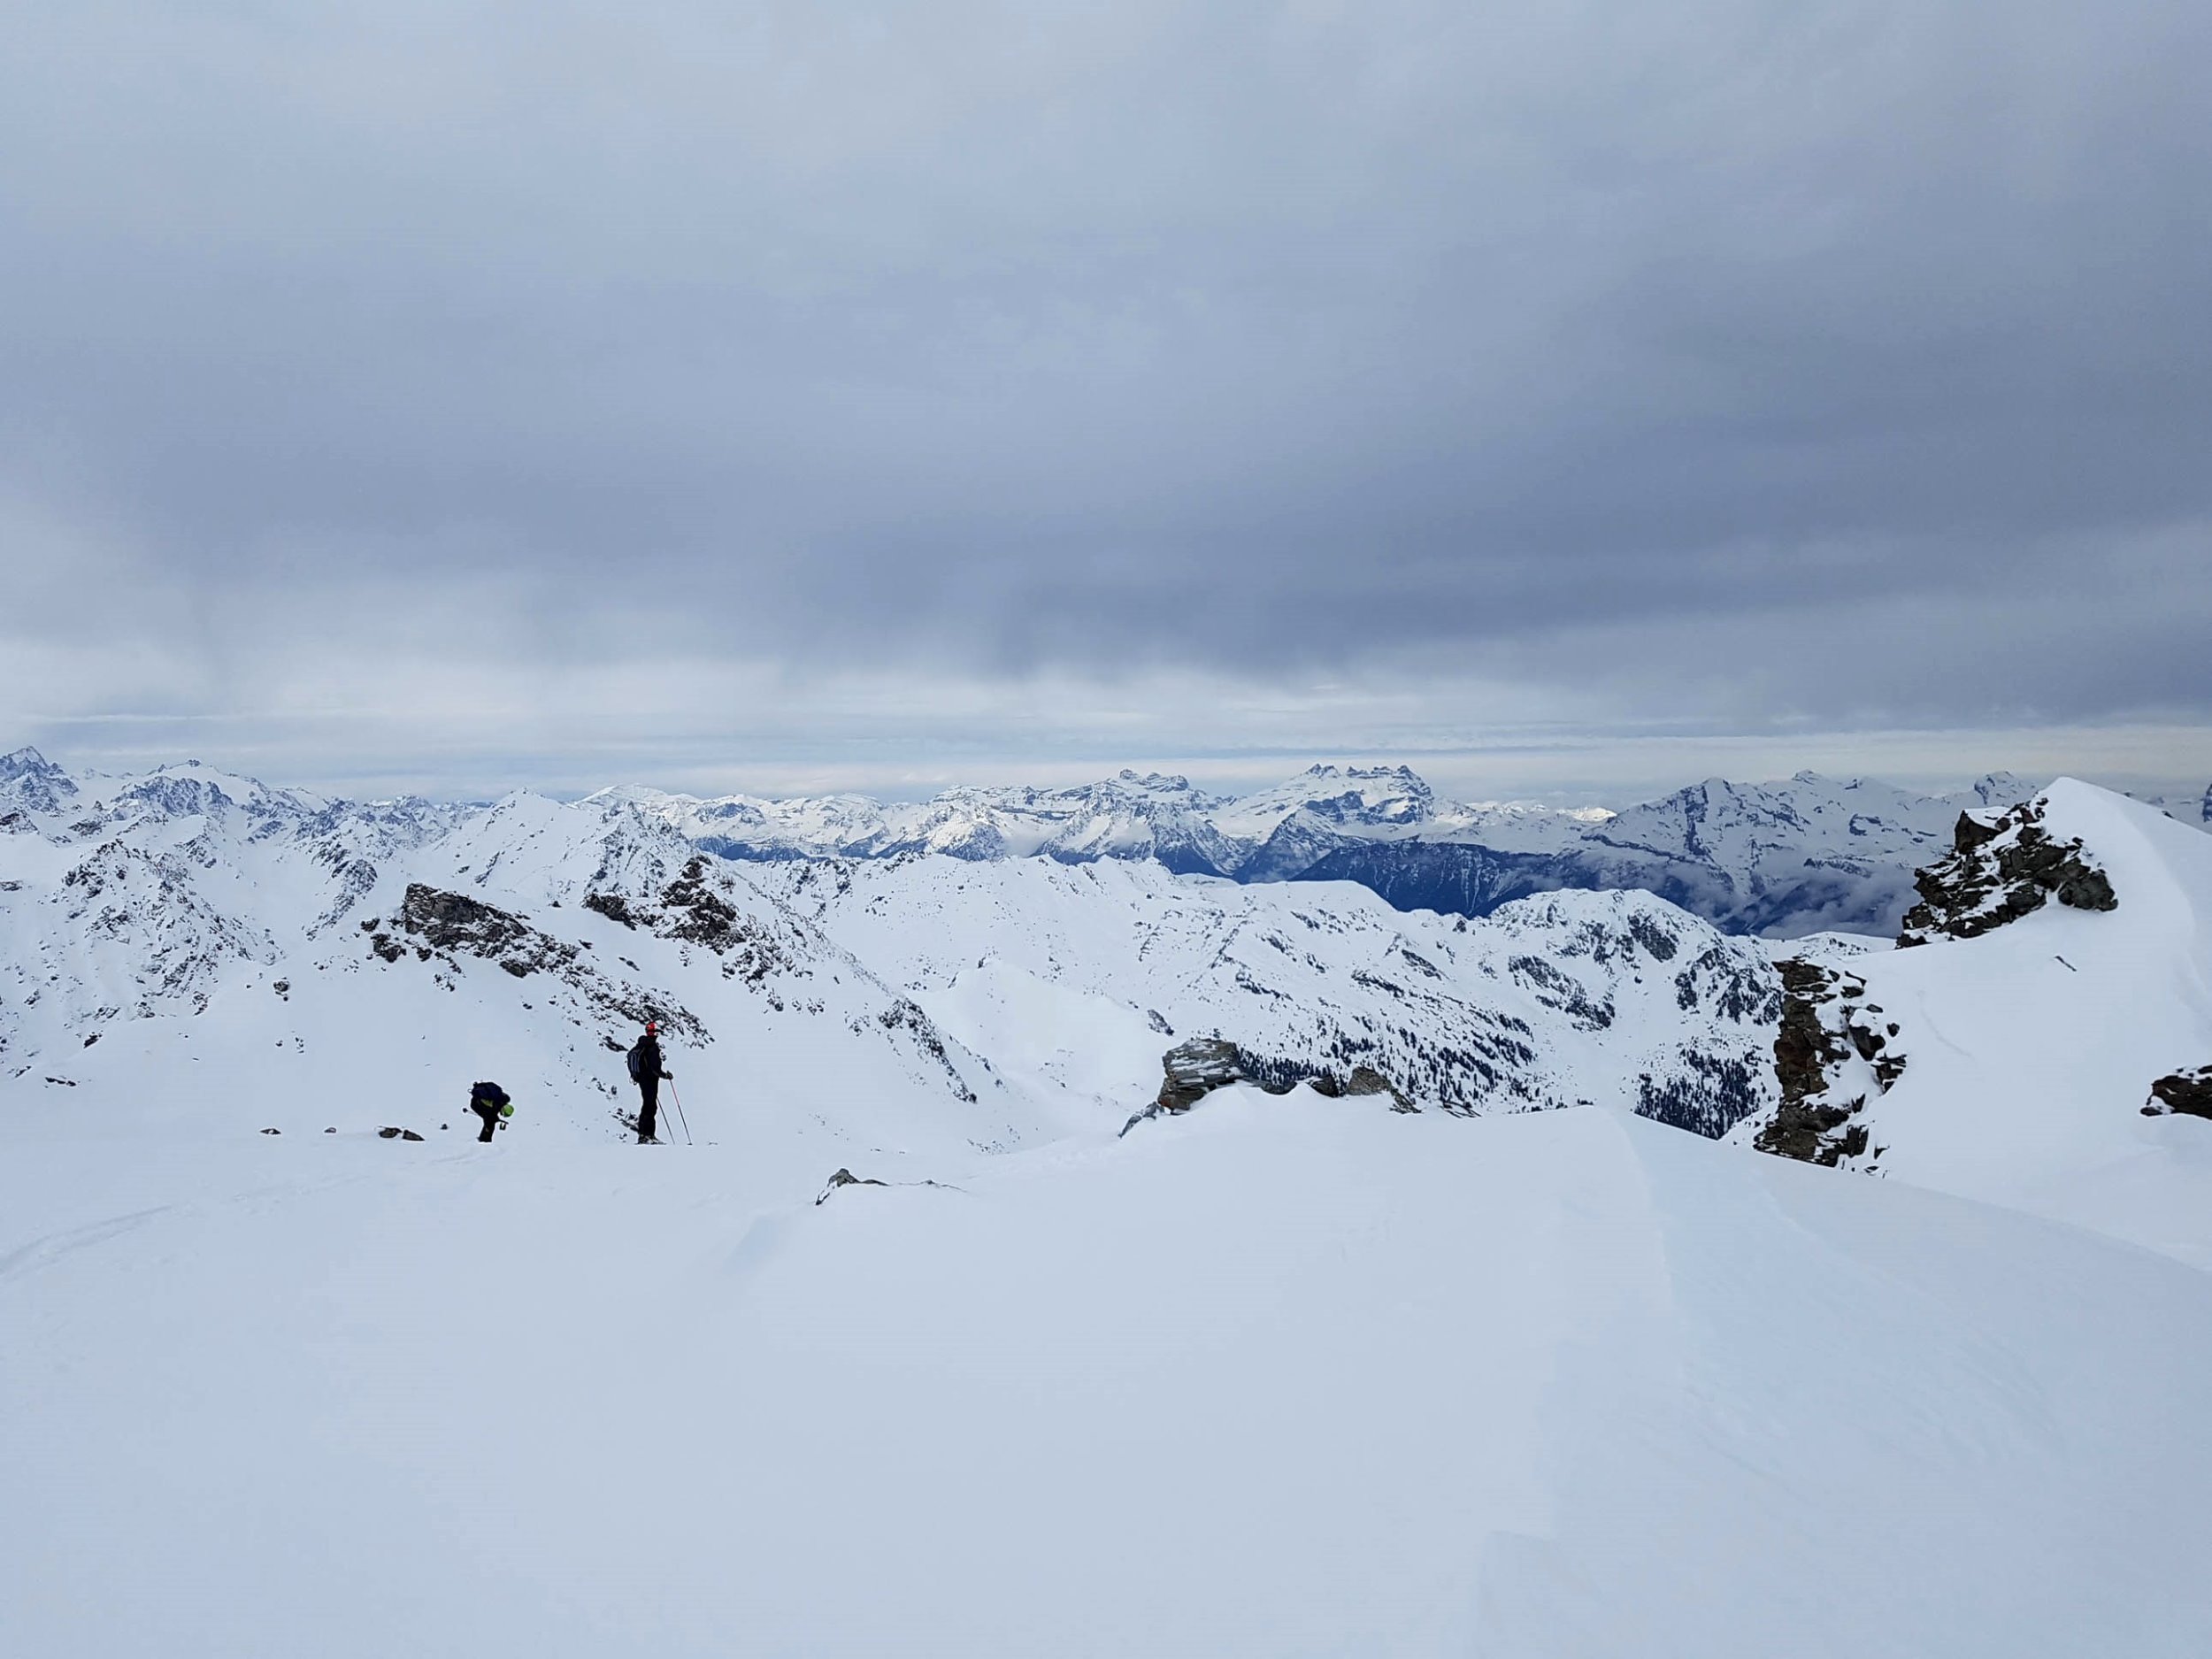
(1761, 361)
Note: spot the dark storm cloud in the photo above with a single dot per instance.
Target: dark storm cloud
(1845, 362)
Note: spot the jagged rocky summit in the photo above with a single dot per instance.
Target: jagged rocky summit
(1998, 870)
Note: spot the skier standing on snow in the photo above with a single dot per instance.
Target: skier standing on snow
(646, 1071)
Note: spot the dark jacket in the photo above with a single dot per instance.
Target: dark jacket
(646, 1059)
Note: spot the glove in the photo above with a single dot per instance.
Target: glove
(668, 1077)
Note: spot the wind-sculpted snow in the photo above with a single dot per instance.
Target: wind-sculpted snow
(1279, 1376)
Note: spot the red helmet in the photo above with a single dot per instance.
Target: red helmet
(651, 1026)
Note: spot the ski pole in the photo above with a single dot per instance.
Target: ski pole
(680, 1111)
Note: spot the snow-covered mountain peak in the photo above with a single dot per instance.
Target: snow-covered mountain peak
(2006, 865)
(191, 789)
(1346, 796)
(1159, 786)
(29, 782)
(26, 762)
(2001, 788)
(1805, 853)
(1279, 833)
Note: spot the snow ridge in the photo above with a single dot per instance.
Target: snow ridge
(2009, 1056)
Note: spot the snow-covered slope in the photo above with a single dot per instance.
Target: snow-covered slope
(1814, 853)
(196, 947)
(1285, 1377)
(933, 1344)
(196, 954)
(2012, 1062)
(1079, 977)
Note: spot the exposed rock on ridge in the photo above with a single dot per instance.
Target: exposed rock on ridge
(1832, 1045)
(1998, 871)
(452, 923)
(1196, 1069)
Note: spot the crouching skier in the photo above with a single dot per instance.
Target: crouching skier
(489, 1102)
(646, 1071)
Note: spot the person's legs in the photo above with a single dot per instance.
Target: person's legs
(648, 1103)
(491, 1121)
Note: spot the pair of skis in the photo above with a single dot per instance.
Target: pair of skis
(629, 1121)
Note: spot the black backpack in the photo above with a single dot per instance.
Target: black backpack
(637, 1066)
(490, 1094)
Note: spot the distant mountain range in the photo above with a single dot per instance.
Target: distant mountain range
(1810, 854)
(1780, 859)
(987, 969)
(193, 943)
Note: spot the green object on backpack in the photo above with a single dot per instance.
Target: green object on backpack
(507, 1110)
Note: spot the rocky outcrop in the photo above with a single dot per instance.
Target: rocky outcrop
(1998, 872)
(846, 1178)
(2186, 1092)
(443, 927)
(691, 911)
(613, 906)
(905, 1016)
(1195, 1069)
(1364, 1079)
(1833, 1052)
(453, 921)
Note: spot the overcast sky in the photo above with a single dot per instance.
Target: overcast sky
(1565, 397)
